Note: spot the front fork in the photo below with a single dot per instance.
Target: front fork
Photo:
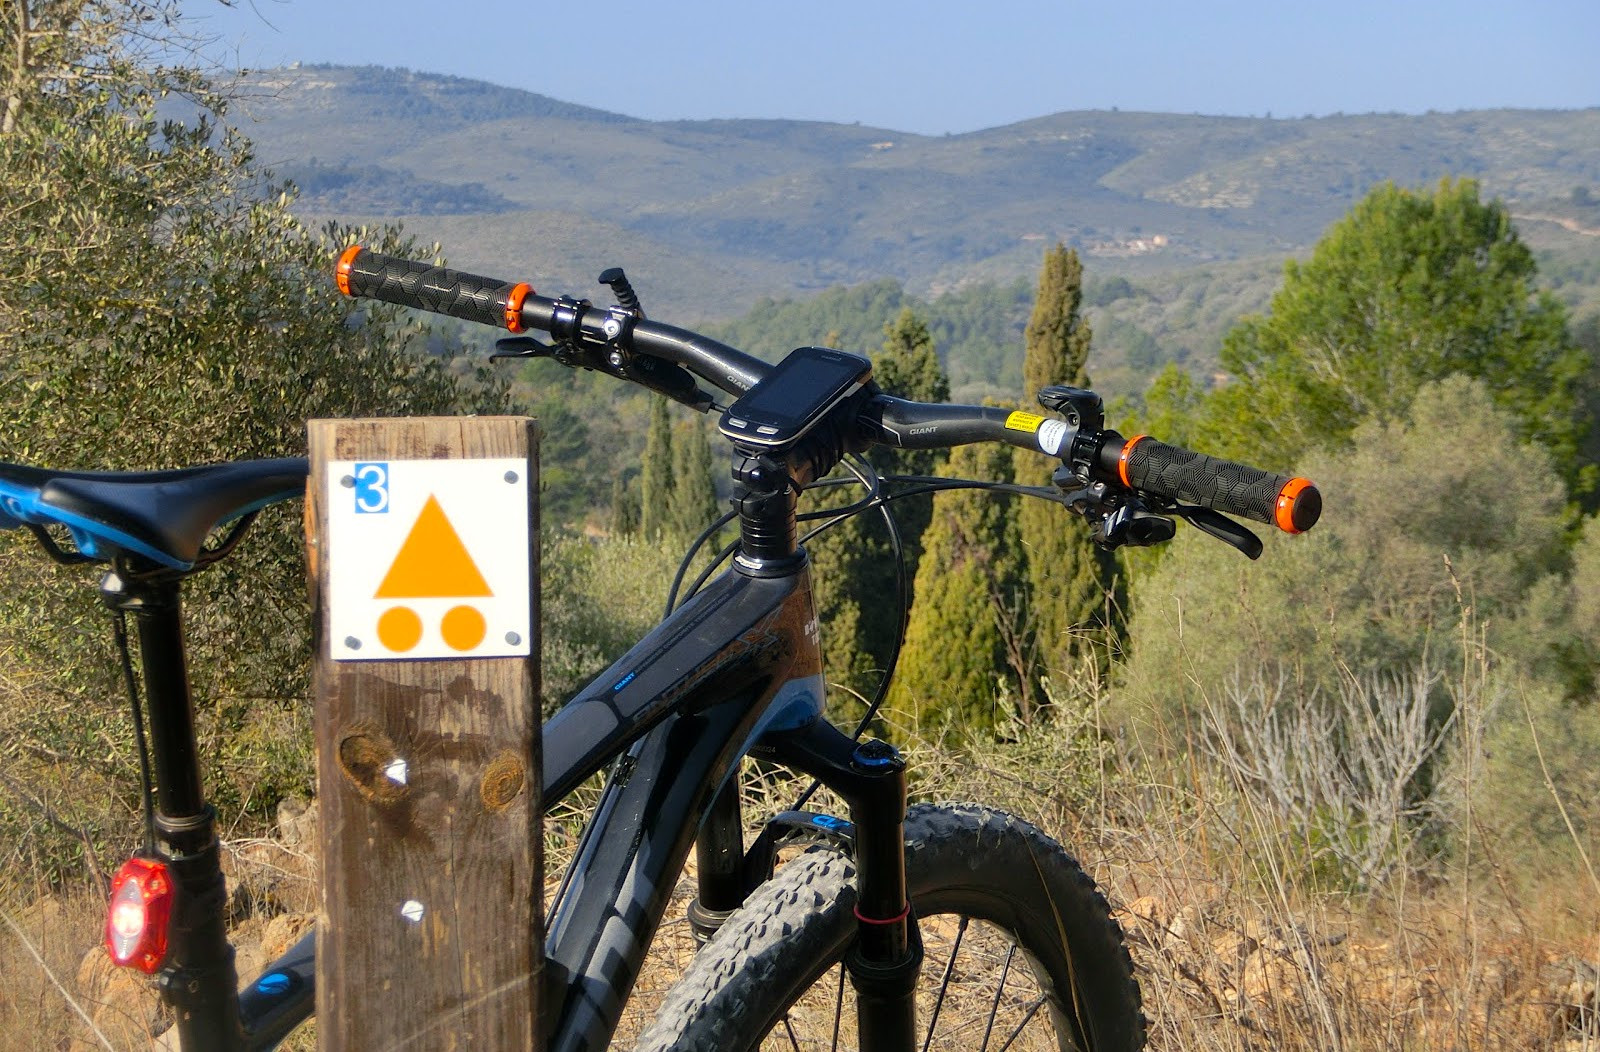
(886, 956)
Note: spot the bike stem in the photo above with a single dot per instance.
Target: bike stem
(198, 980)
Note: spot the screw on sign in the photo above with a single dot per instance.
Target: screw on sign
(428, 559)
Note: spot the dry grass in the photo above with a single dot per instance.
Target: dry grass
(1238, 945)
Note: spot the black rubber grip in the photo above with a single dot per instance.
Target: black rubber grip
(426, 287)
(1291, 504)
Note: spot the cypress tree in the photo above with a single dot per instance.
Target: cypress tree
(855, 579)
(655, 475)
(909, 367)
(692, 505)
(624, 507)
(957, 640)
(1071, 583)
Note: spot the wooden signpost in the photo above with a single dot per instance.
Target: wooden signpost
(423, 551)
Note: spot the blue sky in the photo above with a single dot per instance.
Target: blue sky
(939, 66)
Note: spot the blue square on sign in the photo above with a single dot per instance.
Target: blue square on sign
(372, 488)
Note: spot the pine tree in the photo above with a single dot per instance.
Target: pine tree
(957, 640)
(692, 505)
(1071, 583)
(655, 475)
(1408, 287)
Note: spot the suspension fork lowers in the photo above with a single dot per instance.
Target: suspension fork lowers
(886, 957)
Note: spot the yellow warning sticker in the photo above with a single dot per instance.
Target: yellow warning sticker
(1020, 421)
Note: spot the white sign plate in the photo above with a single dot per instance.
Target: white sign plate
(427, 559)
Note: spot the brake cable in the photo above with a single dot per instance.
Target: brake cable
(119, 629)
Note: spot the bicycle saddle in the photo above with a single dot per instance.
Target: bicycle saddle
(164, 516)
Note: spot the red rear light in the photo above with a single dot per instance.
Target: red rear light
(137, 920)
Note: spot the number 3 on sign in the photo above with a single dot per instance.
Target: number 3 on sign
(372, 488)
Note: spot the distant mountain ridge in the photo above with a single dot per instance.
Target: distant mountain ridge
(711, 215)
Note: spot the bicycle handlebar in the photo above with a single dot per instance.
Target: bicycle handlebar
(1173, 473)
(1140, 464)
(516, 307)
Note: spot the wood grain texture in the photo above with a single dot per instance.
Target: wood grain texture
(430, 928)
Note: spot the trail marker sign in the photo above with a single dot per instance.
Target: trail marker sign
(427, 559)
(422, 551)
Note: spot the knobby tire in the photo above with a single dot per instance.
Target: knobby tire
(1018, 943)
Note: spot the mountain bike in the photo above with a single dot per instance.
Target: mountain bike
(891, 929)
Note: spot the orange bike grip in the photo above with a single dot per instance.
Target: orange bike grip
(1299, 506)
(341, 273)
(1173, 473)
(1122, 458)
(488, 301)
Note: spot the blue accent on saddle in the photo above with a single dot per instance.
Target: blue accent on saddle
(20, 505)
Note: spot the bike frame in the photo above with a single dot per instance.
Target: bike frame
(735, 669)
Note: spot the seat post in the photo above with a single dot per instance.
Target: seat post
(156, 606)
(199, 979)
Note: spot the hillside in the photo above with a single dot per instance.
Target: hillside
(710, 216)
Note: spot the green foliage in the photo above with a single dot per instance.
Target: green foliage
(157, 309)
(1426, 526)
(854, 569)
(1538, 775)
(1071, 583)
(655, 474)
(567, 488)
(598, 599)
(1409, 287)
(976, 329)
(368, 189)
(908, 367)
(1171, 410)
(624, 506)
(692, 505)
(963, 624)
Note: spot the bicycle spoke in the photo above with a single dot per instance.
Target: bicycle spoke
(994, 1007)
(794, 1042)
(944, 983)
(1026, 1019)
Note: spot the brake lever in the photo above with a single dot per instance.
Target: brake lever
(520, 347)
(1133, 524)
(1221, 527)
(662, 376)
(674, 381)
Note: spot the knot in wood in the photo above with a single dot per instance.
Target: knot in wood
(502, 781)
(365, 756)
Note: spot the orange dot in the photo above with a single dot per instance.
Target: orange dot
(399, 629)
(463, 627)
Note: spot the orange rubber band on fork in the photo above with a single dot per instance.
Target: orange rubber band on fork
(883, 920)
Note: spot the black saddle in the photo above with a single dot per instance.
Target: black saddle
(164, 516)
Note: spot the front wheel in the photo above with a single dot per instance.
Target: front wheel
(1021, 952)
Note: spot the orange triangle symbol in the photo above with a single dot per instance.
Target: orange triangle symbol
(433, 563)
